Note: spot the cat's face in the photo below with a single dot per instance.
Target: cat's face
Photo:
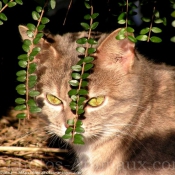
(113, 92)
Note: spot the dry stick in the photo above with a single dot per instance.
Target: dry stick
(67, 12)
(82, 71)
(126, 15)
(151, 25)
(5, 6)
(31, 149)
(31, 48)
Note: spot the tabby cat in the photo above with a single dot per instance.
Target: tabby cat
(131, 131)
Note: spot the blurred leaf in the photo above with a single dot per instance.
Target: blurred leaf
(39, 9)
(11, 4)
(70, 122)
(87, 5)
(79, 129)
(30, 33)
(156, 14)
(91, 50)
(173, 14)
(155, 39)
(87, 17)
(85, 75)
(144, 31)
(82, 92)
(22, 64)
(79, 123)
(23, 57)
(35, 15)
(21, 73)
(145, 19)
(74, 82)
(33, 93)
(1, 23)
(121, 16)
(67, 136)
(80, 111)
(32, 83)
(88, 66)
(25, 47)
(21, 78)
(31, 102)
(78, 139)
(32, 77)
(156, 30)
(157, 21)
(84, 83)
(93, 16)
(21, 116)
(120, 37)
(5, 1)
(122, 21)
(74, 97)
(88, 59)
(142, 37)
(31, 27)
(44, 20)
(21, 91)
(27, 42)
(32, 68)
(53, 4)
(132, 39)
(73, 105)
(20, 86)
(68, 130)
(164, 21)
(172, 39)
(20, 107)
(130, 29)
(80, 49)
(81, 41)
(20, 100)
(85, 25)
(76, 68)
(94, 25)
(3, 16)
(41, 27)
(92, 41)
(19, 2)
(72, 92)
(34, 109)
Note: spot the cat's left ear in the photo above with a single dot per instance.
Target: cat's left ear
(118, 54)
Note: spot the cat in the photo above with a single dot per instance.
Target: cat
(132, 130)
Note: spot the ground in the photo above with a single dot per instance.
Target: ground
(25, 148)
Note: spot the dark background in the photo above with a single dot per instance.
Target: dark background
(10, 41)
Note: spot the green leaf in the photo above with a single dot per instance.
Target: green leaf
(30, 33)
(91, 50)
(79, 123)
(34, 109)
(88, 59)
(79, 129)
(172, 39)
(41, 27)
(80, 111)
(20, 100)
(93, 16)
(36, 40)
(3, 16)
(53, 4)
(87, 17)
(70, 122)
(31, 102)
(76, 76)
(122, 21)
(88, 66)
(0, 5)
(72, 92)
(33, 93)
(85, 25)
(92, 41)
(11, 4)
(44, 20)
(21, 116)
(74, 97)
(144, 31)
(39, 9)
(35, 15)
(94, 25)
(21, 78)
(81, 41)
(31, 27)
(67, 136)
(87, 5)
(132, 39)
(23, 57)
(32, 83)
(25, 47)
(164, 21)
(1, 23)
(158, 21)
(32, 77)
(84, 83)
(82, 92)
(156, 14)
(74, 82)
(121, 16)
(68, 130)
(173, 14)
(142, 37)
(85, 75)
(21, 91)
(5, 1)
(21, 73)
(156, 30)
(20, 107)
(130, 29)
(146, 19)
(81, 100)
(155, 39)
(20, 86)
(76, 68)
(32, 68)
(78, 139)
(22, 64)
(19, 2)
(31, 58)
(80, 49)
(27, 42)
(120, 37)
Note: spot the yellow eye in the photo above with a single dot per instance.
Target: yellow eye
(53, 100)
(96, 101)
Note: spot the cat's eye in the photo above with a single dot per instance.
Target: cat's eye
(53, 100)
(96, 101)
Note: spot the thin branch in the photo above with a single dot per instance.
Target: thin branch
(5, 6)
(67, 12)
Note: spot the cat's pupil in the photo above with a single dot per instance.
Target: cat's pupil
(53, 100)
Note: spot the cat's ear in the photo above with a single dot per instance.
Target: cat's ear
(116, 53)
